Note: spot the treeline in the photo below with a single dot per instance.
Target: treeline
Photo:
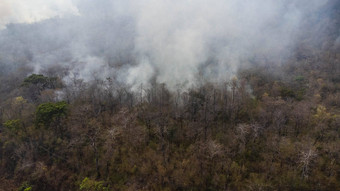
(269, 128)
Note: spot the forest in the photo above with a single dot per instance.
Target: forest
(272, 125)
(281, 135)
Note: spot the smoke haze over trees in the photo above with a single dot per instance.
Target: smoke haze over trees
(172, 42)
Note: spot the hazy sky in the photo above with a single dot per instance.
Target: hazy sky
(172, 41)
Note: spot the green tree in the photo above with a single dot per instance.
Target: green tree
(51, 115)
(48, 112)
(36, 79)
(36, 83)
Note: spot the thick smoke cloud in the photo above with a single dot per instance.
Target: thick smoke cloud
(170, 41)
(182, 36)
(18, 11)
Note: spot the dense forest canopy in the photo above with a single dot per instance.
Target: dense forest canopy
(169, 95)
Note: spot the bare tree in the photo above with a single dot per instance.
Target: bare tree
(306, 159)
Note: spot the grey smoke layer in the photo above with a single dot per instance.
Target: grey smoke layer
(170, 41)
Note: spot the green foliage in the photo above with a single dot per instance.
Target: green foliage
(299, 94)
(299, 78)
(35, 79)
(28, 189)
(92, 185)
(41, 81)
(19, 100)
(25, 186)
(286, 92)
(13, 125)
(48, 112)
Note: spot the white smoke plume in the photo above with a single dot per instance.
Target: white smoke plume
(171, 41)
(29, 11)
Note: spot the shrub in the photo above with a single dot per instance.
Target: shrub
(91, 185)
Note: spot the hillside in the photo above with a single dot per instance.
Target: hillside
(271, 124)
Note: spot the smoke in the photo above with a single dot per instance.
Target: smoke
(18, 11)
(171, 41)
